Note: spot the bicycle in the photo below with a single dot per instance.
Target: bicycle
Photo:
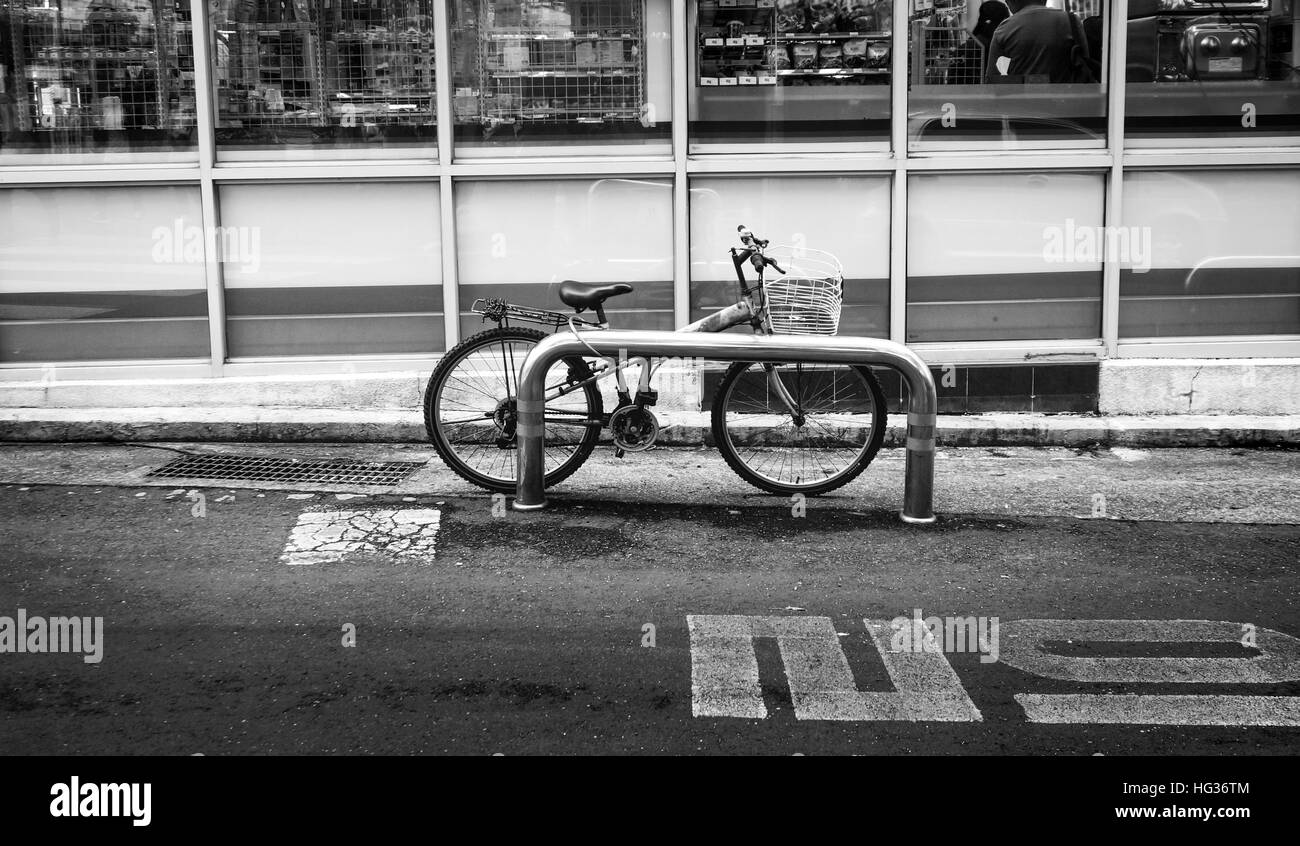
(786, 429)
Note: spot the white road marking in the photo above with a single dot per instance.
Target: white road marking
(725, 682)
(1179, 710)
(1129, 454)
(324, 536)
(1024, 646)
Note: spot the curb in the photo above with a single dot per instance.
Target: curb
(299, 425)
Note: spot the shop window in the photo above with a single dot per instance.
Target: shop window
(102, 274)
(577, 76)
(518, 240)
(100, 81)
(847, 217)
(1024, 74)
(789, 73)
(354, 75)
(1004, 257)
(333, 268)
(1219, 254)
(1216, 71)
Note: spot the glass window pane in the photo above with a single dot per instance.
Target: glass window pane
(845, 216)
(786, 74)
(102, 274)
(518, 240)
(96, 82)
(584, 76)
(1212, 69)
(332, 269)
(296, 79)
(1004, 257)
(1023, 75)
(1221, 254)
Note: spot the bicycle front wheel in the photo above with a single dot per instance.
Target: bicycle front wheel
(830, 436)
(471, 409)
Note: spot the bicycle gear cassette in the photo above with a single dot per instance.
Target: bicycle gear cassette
(634, 428)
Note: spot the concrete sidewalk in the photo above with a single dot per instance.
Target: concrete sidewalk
(1120, 483)
(679, 428)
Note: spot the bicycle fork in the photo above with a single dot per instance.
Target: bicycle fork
(735, 315)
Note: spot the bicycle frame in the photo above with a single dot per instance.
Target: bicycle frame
(751, 309)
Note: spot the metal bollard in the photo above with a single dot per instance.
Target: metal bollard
(918, 493)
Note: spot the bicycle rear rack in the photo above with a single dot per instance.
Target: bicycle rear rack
(923, 402)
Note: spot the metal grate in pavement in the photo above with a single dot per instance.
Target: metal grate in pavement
(271, 469)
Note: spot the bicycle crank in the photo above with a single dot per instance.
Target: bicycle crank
(634, 428)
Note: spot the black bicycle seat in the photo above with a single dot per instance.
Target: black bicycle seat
(582, 296)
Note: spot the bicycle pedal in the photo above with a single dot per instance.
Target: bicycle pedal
(619, 452)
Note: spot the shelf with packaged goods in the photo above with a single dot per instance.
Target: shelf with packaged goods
(831, 36)
(627, 70)
(566, 36)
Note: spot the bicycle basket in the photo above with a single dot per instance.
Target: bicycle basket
(807, 299)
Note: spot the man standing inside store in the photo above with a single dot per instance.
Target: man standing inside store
(1033, 45)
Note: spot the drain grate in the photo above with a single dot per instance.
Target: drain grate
(264, 469)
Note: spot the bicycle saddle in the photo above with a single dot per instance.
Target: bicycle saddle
(582, 296)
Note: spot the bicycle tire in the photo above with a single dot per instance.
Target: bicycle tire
(742, 462)
(503, 480)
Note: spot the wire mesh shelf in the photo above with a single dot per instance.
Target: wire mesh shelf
(586, 66)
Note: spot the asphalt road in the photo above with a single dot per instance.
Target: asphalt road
(498, 632)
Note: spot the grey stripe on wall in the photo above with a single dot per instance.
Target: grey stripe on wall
(1171, 303)
(649, 306)
(330, 299)
(54, 326)
(334, 320)
(102, 305)
(865, 312)
(1004, 307)
(104, 340)
(343, 335)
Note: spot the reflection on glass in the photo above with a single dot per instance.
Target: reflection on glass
(518, 240)
(1224, 256)
(1004, 257)
(1020, 74)
(1222, 69)
(97, 77)
(784, 72)
(847, 217)
(570, 73)
(351, 74)
(102, 274)
(338, 268)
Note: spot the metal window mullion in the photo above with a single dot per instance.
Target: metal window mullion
(205, 117)
(898, 190)
(681, 181)
(443, 85)
(1114, 205)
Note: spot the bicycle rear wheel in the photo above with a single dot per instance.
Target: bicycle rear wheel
(470, 409)
(835, 432)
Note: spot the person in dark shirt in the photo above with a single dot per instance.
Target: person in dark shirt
(968, 60)
(1033, 45)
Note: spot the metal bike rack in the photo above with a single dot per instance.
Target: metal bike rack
(811, 349)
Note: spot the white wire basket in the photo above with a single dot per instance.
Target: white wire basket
(807, 299)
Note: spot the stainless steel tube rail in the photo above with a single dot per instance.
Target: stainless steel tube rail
(923, 404)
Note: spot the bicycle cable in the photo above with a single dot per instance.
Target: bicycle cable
(597, 354)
